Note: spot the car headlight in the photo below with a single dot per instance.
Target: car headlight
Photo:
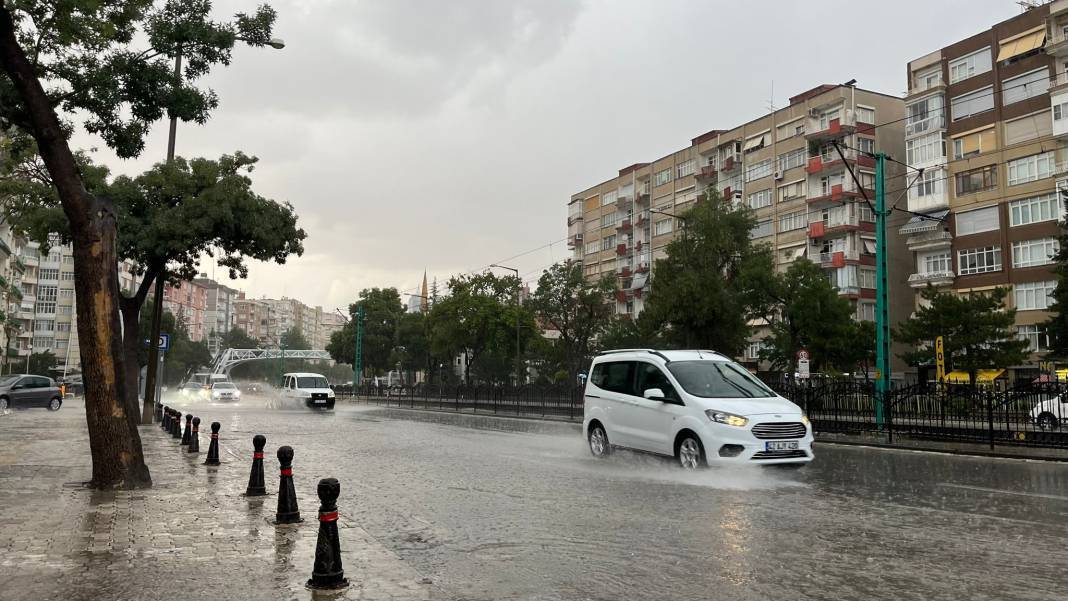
(730, 419)
(804, 420)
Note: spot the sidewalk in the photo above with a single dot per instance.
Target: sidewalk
(193, 535)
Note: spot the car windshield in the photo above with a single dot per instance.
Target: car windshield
(717, 380)
(312, 382)
(4, 381)
(224, 385)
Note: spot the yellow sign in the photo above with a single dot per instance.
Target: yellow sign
(940, 360)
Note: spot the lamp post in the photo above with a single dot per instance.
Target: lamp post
(518, 285)
(157, 302)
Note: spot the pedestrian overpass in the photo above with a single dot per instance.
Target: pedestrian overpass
(227, 359)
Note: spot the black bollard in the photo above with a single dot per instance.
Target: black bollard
(256, 487)
(176, 425)
(188, 429)
(157, 414)
(287, 494)
(213, 448)
(166, 416)
(327, 572)
(194, 437)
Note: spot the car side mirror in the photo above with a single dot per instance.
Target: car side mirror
(17, 387)
(654, 394)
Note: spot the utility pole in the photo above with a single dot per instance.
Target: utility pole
(357, 356)
(882, 310)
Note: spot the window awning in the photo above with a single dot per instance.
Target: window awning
(638, 281)
(753, 143)
(1022, 43)
(793, 254)
(869, 246)
(927, 223)
(982, 376)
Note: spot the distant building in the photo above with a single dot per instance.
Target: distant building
(219, 315)
(189, 304)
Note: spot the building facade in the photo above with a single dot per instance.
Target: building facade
(189, 304)
(219, 313)
(988, 118)
(784, 167)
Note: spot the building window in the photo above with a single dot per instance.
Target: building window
(865, 145)
(1060, 111)
(68, 259)
(921, 80)
(54, 257)
(46, 299)
(792, 191)
(977, 180)
(44, 325)
(609, 220)
(49, 274)
(973, 144)
(973, 103)
(936, 263)
(592, 247)
(63, 326)
(928, 184)
(925, 114)
(43, 343)
(67, 276)
(867, 277)
(67, 293)
(828, 182)
(827, 116)
(970, 65)
(865, 115)
(789, 130)
(979, 220)
(662, 177)
(1024, 86)
(1035, 210)
(925, 149)
(752, 350)
(1034, 295)
(865, 311)
(626, 191)
(867, 180)
(793, 221)
(608, 242)
(759, 200)
(684, 169)
(761, 229)
(591, 269)
(979, 260)
(609, 197)
(1035, 335)
(1031, 168)
(758, 170)
(789, 160)
(1029, 253)
(662, 227)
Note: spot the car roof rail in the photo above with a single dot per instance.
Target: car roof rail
(637, 350)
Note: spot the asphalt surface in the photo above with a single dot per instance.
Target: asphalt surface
(492, 508)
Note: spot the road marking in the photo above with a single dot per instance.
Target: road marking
(1005, 492)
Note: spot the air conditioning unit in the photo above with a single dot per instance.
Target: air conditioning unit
(778, 175)
(737, 195)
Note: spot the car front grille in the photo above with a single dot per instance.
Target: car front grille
(777, 430)
(780, 455)
(319, 395)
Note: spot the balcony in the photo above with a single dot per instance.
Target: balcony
(826, 162)
(732, 162)
(707, 173)
(1056, 44)
(839, 258)
(838, 193)
(935, 278)
(624, 226)
(573, 219)
(838, 223)
(574, 241)
(727, 194)
(621, 249)
(642, 198)
(932, 240)
(820, 128)
(624, 272)
(621, 296)
(927, 125)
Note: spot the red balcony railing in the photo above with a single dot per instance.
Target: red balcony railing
(621, 249)
(816, 230)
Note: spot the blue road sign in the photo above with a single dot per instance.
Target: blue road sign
(164, 342)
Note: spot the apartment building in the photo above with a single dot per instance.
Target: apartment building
(189, 304)
(783, 165)
(11, 271)
(988, 118)
(253, 316)
(219, 313)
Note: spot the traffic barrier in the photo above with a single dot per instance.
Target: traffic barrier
(287, 513)
(176, 425)
(186, 435)
(213, 448)
(327, 572)
(256, 486)
(194, 437)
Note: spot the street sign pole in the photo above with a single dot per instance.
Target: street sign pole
(882, 310)
(357, 363)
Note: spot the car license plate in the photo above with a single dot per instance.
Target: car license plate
(320, 401)
(788, 445)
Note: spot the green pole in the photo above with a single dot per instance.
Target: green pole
(357, 363)
(882, 311)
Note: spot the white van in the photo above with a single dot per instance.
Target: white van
(697, 406)
(308, 389)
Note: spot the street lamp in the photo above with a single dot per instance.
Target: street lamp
(519, 284)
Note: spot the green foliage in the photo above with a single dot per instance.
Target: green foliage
(811, 315)
(713, 281)
(1057, 326)
(977, 331)
(623, 332)
(576, 308)
(293, 339)
(412, 350)
(41, 364)
(382, 309)
(183, 356)
(238, 338)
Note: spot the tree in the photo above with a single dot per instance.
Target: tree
(811, 315)
(236, 337)
(624, 332)
(412, 350)
(88, 57)
(41, 364)
(977, 331)
(579, 309)
(713, 281)
(293, 339)
(1057, 326)
(381, 310)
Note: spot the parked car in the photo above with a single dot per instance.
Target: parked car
(29, 391)
(225, 391)
(697, 406)
(1051, 413)
(307, 389)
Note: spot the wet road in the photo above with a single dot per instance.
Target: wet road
(508, 509)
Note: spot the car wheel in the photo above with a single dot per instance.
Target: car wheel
(3, 405)
(599, 445)
(1048, 421)
(55, 403)
(691, 454)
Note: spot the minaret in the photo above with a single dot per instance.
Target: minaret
(423, 295)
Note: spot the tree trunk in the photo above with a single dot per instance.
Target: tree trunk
(130, 309)
(114, 443)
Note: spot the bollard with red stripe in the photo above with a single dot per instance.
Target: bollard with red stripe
(213, 448)
(327, 572)
(194, 437)
(176, 425)
(157, 413)
(287, 513)
(166, 417)
(256, 486)
(187, 434)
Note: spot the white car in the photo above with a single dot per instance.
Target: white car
(308, 389)
(1051, 413)
(225, 391)
(697, 406)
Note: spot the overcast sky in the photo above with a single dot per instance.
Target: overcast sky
(443, 136)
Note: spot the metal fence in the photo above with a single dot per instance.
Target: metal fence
(1028, 415)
